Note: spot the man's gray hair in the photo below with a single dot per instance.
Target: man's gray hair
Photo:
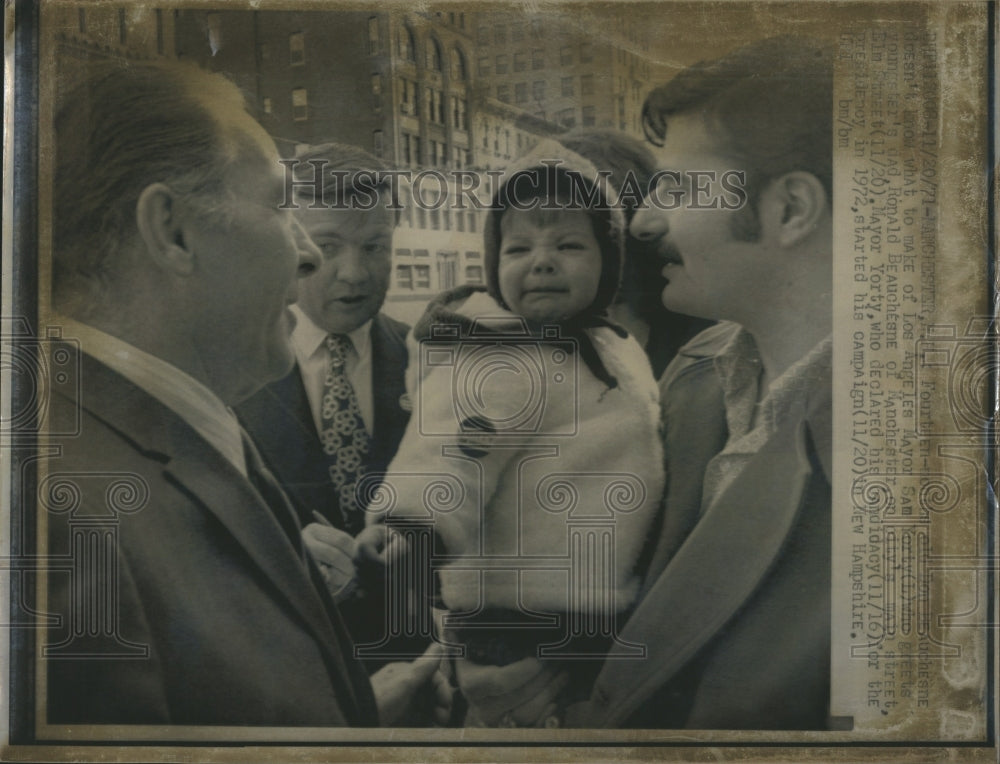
(124, 126)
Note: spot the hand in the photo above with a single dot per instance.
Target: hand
(379, 544)
(521, 694)
(414, 694)
(334, 551)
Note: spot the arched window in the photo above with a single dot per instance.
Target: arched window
(457, 65)
(433, 55)
(407, 50)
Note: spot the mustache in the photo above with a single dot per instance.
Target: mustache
(667, 252)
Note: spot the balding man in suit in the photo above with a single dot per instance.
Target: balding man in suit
(175, 266)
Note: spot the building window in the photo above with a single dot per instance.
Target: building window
(500, 34)
(483, 36)
(421, 253)
(520, 61)
(435, 220)
(503, 93)
(589, 116)
(214, 23)
(521, 92)
(458, 109)
(473, 274)
(422, 276)
(433, 57)
(537, 28)
(457, 65)
(567, 117)
(377, 91)
(587, 84)
(408, 97)
(472, 255)
(407, 50)
(502, 63)
(538, 59)
(484, 66)
(435, 105)
(300, 105)
(538, 90)
(516, 32)
(565, 55)
(586, 54)
(374, 38)
(267, 106)
(404, 276)
(446, 214)
(421, 220)
(378, 143)
(296, 49)
(402, 252)
(472, 221)
(567, 86)
(460, 222)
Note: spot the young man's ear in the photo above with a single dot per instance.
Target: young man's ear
(160, 227)
(797, 204)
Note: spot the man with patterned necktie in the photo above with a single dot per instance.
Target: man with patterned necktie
(341, 412)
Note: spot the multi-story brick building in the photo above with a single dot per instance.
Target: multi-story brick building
(589, 69)
(93, 31)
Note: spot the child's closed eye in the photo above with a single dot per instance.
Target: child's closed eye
(515, 249)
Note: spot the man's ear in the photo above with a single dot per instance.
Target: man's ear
(159, 220)
(798, 204)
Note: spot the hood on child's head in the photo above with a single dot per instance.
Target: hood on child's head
(552, 176)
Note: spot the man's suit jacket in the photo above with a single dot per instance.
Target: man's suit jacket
(735, 613)
(234, 622)
(279, 419)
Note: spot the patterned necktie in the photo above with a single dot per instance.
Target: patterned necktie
(343, 434)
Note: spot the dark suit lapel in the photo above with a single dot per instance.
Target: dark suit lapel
(205, 474)
(280, 422)
(213, 480)
(714, 572)
(389, 358)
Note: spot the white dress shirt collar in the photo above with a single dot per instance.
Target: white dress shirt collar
(308, 338)
(308, 343)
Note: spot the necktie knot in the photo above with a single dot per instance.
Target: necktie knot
(339, 346)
